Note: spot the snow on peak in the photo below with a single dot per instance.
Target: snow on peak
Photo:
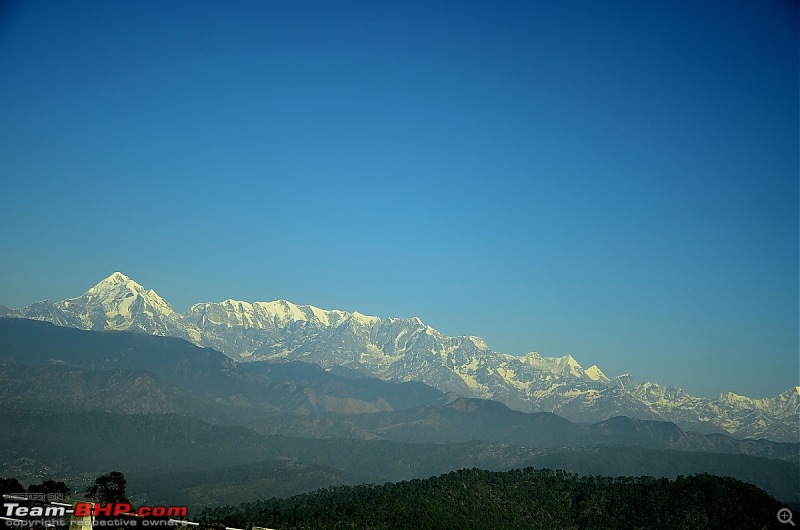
(115, 281)
(118, 288)
(624, 381)
(111, 288)
(572, 365)
(284, 311)
(320, 314)
(478, 342)
(367, 320)
(278, 313)
(556, 365)
(595, 374)
(734, 398)
(121, 301)
(570, 360)
(116, 277)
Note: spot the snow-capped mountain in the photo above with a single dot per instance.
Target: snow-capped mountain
(409, 350)
(116, 303)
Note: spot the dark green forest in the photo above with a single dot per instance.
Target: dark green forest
(517, 499)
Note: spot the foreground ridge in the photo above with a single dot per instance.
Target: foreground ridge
(521, 498)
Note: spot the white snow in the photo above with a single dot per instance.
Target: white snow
(478, 342)
(554, 365)
(124, 308)
(321, 314)
(284, 311)
(365, 319)
(595, 374)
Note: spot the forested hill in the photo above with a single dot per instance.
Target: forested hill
(518, 499)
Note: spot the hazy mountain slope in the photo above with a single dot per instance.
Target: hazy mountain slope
(71, 369)
(209, 376)
(216, 464)
(333, 393)
(96, 442)
(490, 421)
(409, 350)
(61, 387)
(240, 483)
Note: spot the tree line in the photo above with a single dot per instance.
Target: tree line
(519, 499)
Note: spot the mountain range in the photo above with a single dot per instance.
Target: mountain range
(406, 349)
(189, 423)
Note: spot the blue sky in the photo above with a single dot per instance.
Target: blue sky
(617, 181)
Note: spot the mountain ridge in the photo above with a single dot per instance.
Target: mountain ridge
(409, 350)
(164, 393)
(49, 367)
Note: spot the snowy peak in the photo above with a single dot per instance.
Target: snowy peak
(277, 314)
(284, 312)
(119, 303)
(559, 366)
(595, 374)
(114, 286)
(478, 342)
(624, 382)
(231, 314)
(732, 398)
(116, 278)
(365, 320)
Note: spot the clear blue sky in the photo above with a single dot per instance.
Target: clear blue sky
(613, 180)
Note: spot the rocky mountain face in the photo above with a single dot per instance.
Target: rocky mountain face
(409, 350)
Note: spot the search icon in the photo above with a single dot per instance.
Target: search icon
(785, 516)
